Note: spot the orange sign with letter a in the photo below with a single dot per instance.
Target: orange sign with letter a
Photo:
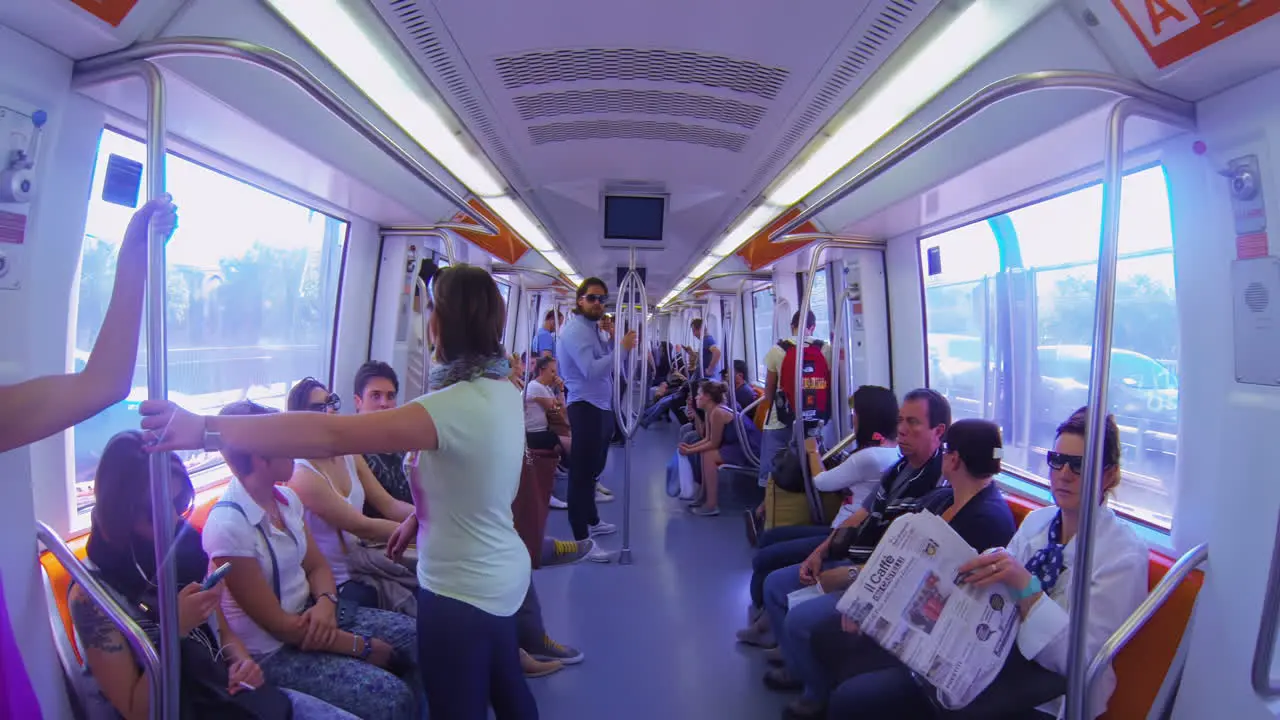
(112, 12)
(1171, 30)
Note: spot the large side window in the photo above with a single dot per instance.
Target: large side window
(762, 324)
(252, 294)
(1011, 340)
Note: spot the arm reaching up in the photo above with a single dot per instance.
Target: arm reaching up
(37, 408)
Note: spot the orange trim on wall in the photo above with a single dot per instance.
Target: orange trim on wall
(112, 12)
(759, 252)
(506, 245)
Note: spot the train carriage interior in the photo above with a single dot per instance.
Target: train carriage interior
(1026, 206)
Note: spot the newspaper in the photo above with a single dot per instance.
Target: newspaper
(905, 598)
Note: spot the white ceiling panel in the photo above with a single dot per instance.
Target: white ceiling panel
(705, 99)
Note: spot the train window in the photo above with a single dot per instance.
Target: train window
(252, 298)
(1011, 306)
(504, 289)
(762, 323)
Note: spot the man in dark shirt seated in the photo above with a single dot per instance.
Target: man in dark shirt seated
(378, 388)
(923, 419)
(742, 390)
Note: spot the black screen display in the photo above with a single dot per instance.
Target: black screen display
(633, 217)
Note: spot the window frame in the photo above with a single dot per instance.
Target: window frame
(757, 358)
(210, 479)
(1023, 482)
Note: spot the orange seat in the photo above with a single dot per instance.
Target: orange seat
(60, 579)
(1141, 665)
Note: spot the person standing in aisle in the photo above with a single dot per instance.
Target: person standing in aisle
(585, 355)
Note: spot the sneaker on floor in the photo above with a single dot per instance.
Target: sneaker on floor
(774, 657)
(536, 668)
(602, 498)
(781, 680)
(602, 528)
(558, 504)
(704, 511)
(602, 490)
(566, 552)
(555, 652)
(599, 555)
(757, 636)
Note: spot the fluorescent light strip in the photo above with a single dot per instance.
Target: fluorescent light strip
(342, 38)
(963, 43)
(521, 222)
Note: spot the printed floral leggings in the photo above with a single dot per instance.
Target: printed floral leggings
(351, 684)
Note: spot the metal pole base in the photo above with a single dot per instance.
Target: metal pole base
(624, 556)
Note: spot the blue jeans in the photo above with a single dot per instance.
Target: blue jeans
(470, 661)
(794, 628)
(771, 442)
(779, 547)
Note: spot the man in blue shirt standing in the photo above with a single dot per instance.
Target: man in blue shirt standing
(544, 341)
(585, 355)
(710, 366)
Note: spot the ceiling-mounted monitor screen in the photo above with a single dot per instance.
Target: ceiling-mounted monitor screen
(634, 217)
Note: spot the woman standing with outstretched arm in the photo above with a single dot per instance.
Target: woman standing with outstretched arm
(474, 569)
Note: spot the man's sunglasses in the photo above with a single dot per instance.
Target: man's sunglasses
(594, 298)
(333, 401)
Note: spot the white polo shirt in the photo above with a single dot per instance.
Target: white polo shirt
(227, 534)
(470, 551)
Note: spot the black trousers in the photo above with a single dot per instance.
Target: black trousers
(592, 429)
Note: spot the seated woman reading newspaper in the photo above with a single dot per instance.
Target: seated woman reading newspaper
(1034, 569)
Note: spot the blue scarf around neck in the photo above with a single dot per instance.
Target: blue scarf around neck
(496, 367)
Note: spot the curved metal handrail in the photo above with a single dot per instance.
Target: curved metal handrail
(515, 270)
(1264, 650)
(627, 409)
(143, 651)
(443, 232)
(95, 69)
(986, 97)
(1159, 595)
(802, 337)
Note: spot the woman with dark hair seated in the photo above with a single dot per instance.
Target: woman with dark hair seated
(334, 492)
(1034, 569)
(219, 678)
(719, 445)
(875, 429)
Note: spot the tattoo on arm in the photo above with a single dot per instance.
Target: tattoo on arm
(96, 631)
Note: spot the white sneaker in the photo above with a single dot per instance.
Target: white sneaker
(602, 498)
(558, 504)
(602, 528)
(599, 555)
(602, 490)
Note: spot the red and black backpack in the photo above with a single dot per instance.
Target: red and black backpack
(816, 374)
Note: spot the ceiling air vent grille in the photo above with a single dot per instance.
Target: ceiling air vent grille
(650, 102)
(676, 66)
(1256, 297)
(636, 130)
(864, 54)
(416, 29)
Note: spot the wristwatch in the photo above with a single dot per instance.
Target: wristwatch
(1032, 588)
(212, 438)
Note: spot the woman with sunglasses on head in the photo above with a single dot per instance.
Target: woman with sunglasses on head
(1035, 570)
(219, 678)
(334, 491)
(473, 569)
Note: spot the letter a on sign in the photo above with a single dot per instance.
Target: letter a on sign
(1171, 30)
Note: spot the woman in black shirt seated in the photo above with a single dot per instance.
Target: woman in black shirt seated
(975, 509)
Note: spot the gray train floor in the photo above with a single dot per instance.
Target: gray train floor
(658, 635)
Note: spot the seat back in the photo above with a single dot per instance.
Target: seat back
(1141, 666)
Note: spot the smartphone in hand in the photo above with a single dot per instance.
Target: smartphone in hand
(216, 576)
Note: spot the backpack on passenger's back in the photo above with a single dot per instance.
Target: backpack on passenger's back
(815, 399)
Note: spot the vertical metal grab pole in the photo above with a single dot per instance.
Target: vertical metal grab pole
(1077, 705)
(626, 409)
(164, 701)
